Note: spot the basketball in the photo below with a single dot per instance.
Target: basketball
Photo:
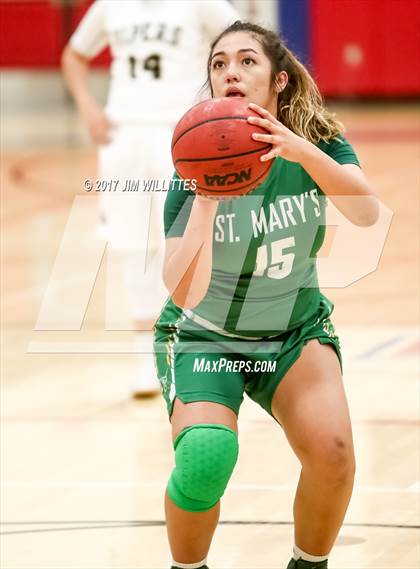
(212, 144)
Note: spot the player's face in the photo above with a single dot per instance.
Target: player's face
(240, 68)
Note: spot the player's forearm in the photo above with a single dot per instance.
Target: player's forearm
(75, 71)
(349, 191)
(187, 272)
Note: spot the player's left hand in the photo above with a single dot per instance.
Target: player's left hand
(285, 143)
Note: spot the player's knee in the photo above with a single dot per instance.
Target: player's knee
(333, 460)
(205, 456)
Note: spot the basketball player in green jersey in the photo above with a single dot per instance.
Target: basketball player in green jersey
(246, 313)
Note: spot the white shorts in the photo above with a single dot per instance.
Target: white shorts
(133, 220)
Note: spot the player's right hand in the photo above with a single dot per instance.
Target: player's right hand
(99, 125)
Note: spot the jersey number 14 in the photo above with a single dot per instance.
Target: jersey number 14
(281, 263)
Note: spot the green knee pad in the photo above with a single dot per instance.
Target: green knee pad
(205, 456)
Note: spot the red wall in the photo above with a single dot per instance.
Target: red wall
(29, 34)
(366, 47)
(357, 47)
(33, 33)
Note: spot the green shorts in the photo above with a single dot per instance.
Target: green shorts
(197, 364)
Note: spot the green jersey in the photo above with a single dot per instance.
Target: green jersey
(264, 278)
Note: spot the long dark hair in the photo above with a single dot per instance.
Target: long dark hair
(299, 106)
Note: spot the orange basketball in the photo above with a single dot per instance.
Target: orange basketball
(212, 144)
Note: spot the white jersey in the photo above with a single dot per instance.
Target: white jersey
(159, 50)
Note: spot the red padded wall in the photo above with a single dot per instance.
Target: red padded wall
(30, 34)
(34, 32)
(366, 47)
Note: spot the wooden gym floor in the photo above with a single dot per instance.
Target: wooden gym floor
(84, 466)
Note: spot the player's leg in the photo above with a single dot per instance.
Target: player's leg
(213, 450)
(145, 296)
(203, 396)
(311, 405)
(144, 267)
(126, 226)
(157, 169)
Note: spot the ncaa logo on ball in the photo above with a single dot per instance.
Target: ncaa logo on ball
(228, 179)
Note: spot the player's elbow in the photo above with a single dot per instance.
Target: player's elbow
(66, 57)
(369, 214)
(70, 57)
(184, 294)
(186, 299)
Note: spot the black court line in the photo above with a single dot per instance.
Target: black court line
(103, 524)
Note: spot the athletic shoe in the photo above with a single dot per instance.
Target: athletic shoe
(303, 564)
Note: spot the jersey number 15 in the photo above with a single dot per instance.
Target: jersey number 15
(281, 263)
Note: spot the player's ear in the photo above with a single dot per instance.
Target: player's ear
(281, 81)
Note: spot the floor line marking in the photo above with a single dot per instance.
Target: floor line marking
(161, 523)
(369, 353)
(117, 484)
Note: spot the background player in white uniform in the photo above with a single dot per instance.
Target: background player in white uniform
(158, 50)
